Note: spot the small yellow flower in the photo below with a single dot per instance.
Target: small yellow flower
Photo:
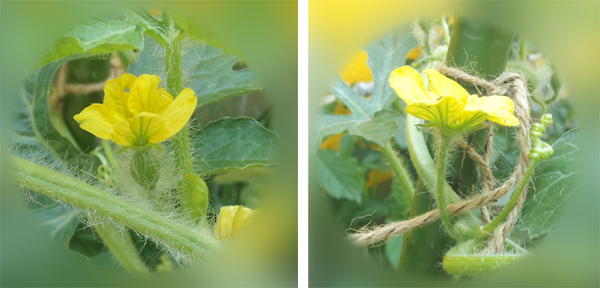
(136, 111)
(447, 104)
(357, 70)
(231, 220)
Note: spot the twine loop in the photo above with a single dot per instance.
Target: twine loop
(509, 84)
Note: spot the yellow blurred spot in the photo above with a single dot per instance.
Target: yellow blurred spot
(341, 109)
(357, 70)
(382, 177)
(332, 143)
(414, 54)
(156, 11)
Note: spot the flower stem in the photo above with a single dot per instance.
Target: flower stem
(489, 228)
(111, 159)
(421, 159)
(121, 246)
(440, 186)
(77, 193)
(181, 141)
(399, 170)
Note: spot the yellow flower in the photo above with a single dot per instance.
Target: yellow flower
(357, 70)
(231, 220)
(136, 111)
(447, 104)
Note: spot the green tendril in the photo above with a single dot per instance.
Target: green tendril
(539, 152)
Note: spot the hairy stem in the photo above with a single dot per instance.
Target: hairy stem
(489, 228)
(399, 170)
(440, 186)
(77, 193)
(121, 246)
(422, 160)
(181, 141)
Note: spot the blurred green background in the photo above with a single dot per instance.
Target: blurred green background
(264, 35)
(565, 32)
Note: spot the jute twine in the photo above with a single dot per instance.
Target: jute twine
(60, 87)
(509, 84)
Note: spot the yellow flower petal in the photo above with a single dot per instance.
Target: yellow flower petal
(115, 96)
(98, 119)
(499, 108)
(176, 115)
(446, 111)
(145, 96)
(444, 86)
(231, 220)
(409, 85)
(137, 131)
(357, 70)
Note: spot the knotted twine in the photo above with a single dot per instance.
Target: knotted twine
(509, 84)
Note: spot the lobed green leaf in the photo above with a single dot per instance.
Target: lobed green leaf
(99, 36)
(207, 70)
(232, 144)
(370, 118)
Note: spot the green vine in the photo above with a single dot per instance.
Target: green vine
(77, 193)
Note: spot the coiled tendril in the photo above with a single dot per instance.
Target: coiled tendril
(540, 150)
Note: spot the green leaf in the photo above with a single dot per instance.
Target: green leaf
(393, 250)
(33, 126)
(232, 144)
(98, 37)
(60, 220)
(87, 243)
(207, 70)
(370, 118)
(34, 133)
(555, 180)
(341, 176)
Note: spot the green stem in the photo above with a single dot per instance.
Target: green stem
(440, 186)
(399, 170)
(121, 246)
(422, 161)
(491, 227)
(181, 141)
(110, 156)
(446, 31)
(77, 193)
(523, 49)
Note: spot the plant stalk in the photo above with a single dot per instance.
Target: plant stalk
(121, 246)
(440, 186)
(399, 170)
(422, 161)
(491, 227)
(181, 141)
(77, 193)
